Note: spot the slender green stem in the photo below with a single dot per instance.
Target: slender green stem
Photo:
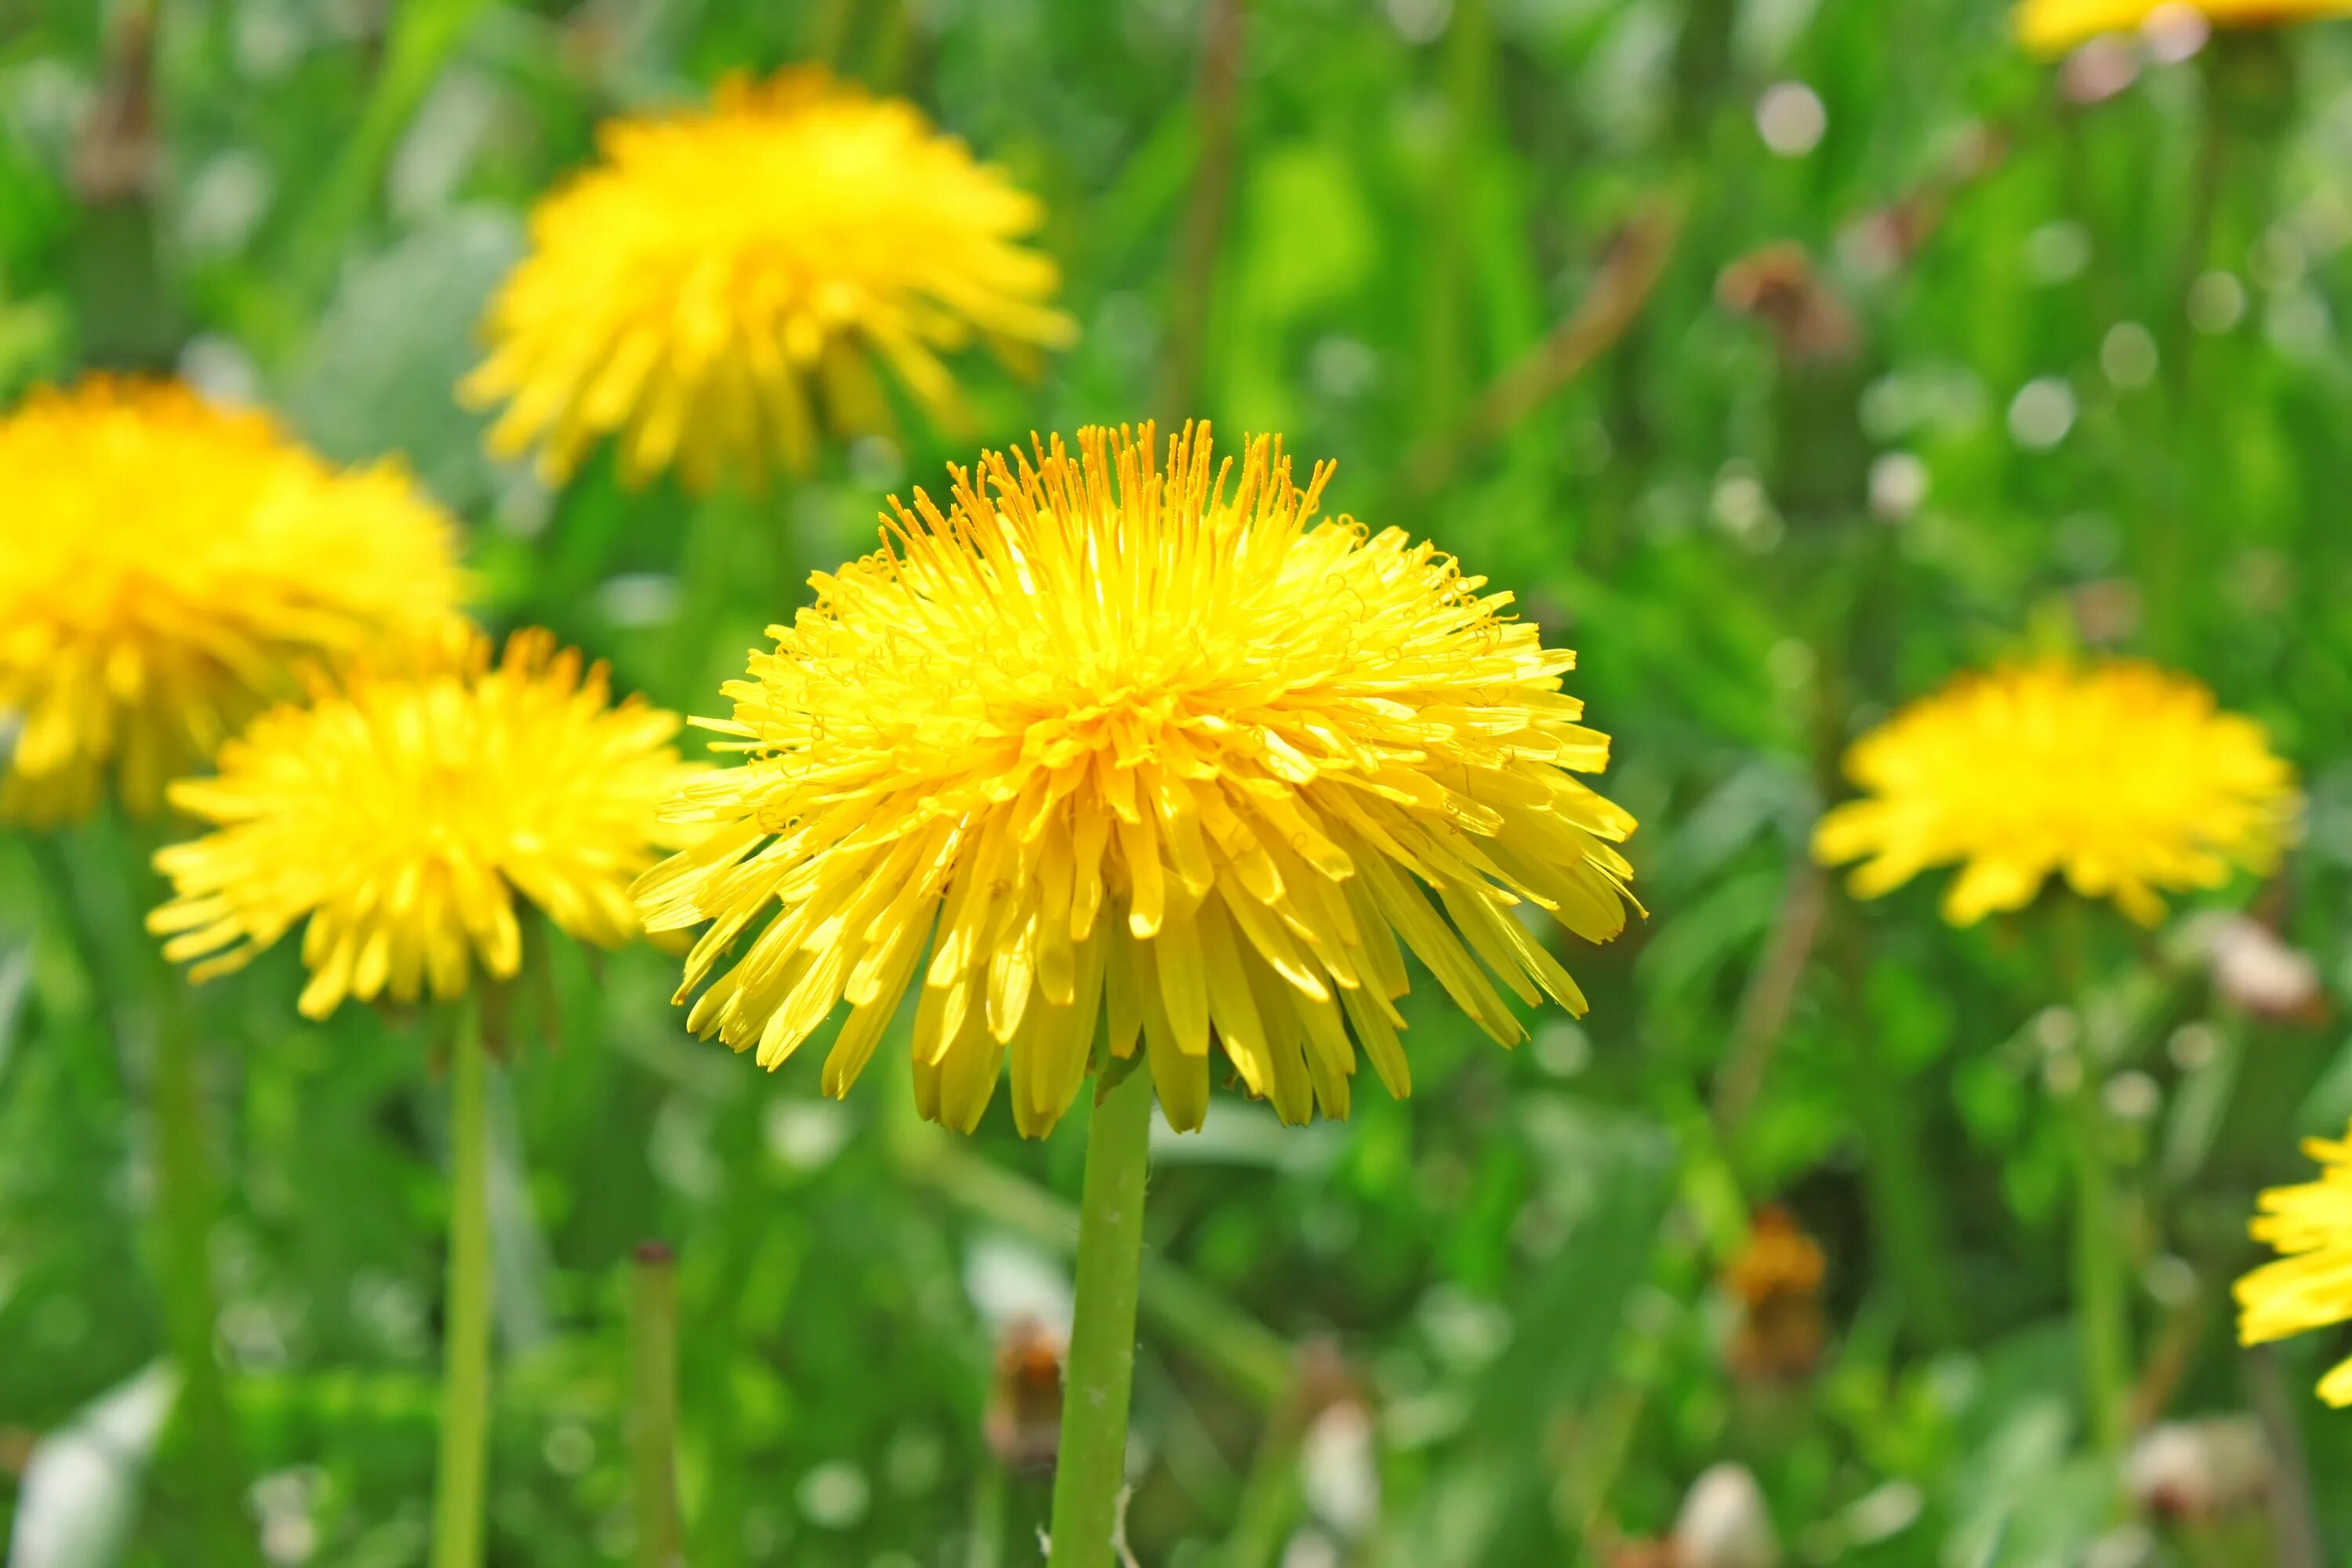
(1091, 1469)
(1270, 1496)
(986, 1546)
(1906, 1214)
(653, 1432)
(184, 1204)
(466, 1344)
(2102, 1301)
(731, 538)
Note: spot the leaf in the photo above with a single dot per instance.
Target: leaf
(81, 1486)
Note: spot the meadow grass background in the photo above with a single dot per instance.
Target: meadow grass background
(1785, 358)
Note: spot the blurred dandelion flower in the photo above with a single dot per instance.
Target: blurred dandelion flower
(1150, 741)
(2310, 1287)
(2053, 27)
(403, 811)
(720, 272)
(165, 566)
(2123, 777)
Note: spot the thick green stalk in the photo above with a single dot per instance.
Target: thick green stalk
(1091, 1469)
(2102, 1299)
(457, 1495)
(652, 1430)
(184, 1204)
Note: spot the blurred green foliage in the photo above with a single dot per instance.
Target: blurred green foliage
(2033, 371)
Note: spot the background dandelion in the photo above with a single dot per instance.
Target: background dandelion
(170, 565)
(723, 285)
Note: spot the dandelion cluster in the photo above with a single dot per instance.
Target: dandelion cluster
(402, 812)
(166, 565)
(2310, 1286)
(2121, 777)
(1109, 739)
(724, 282)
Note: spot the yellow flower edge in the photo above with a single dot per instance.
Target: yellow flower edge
(1113, 741)
(721, 288)
(2124, 779)
(403, 811)
(170, 567)
(2053, 27)
(2310, 1286)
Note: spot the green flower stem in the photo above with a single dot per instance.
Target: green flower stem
(1090, 1471)
(653, 1432)
(733, 538)
(1906, 1214)
(1251, 1359)
(2102, 1301)
(184, 1215)
(457, 1493)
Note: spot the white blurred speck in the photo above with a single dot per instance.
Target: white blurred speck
(1792, 119)
(1743, 509)
(2133, 1097)
(2193, 1046)
(219, 368)
(226, 198)
(1885, 1512)
(2174, 33)
(1419, 21)
(1724, 1523)
(2170, 1279)
(834, 1495)
(1563, 1049)
(637, 599)
(1009, 1280)
(2057, 252)
(1898, 485)
(804, 1134)
(2298, 323)
(2127, 355)
(1310, 1549)
(1339, 1468)
(2217, 302)
(2041, 413)
(1342, 367)
(288, 1538)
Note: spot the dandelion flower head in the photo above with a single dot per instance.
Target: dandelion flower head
(1146, 744)
(165, 566)
(726, 281)
(2310, 1285)
(402, 812)
(2122, 778)
(2053, 27)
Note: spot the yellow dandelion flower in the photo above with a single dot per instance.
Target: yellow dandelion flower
(2310, 1287)
(402, 812)
(2053, 27)
(166, 564)
(1150, 745)
(2123, 777)
(721, 273)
